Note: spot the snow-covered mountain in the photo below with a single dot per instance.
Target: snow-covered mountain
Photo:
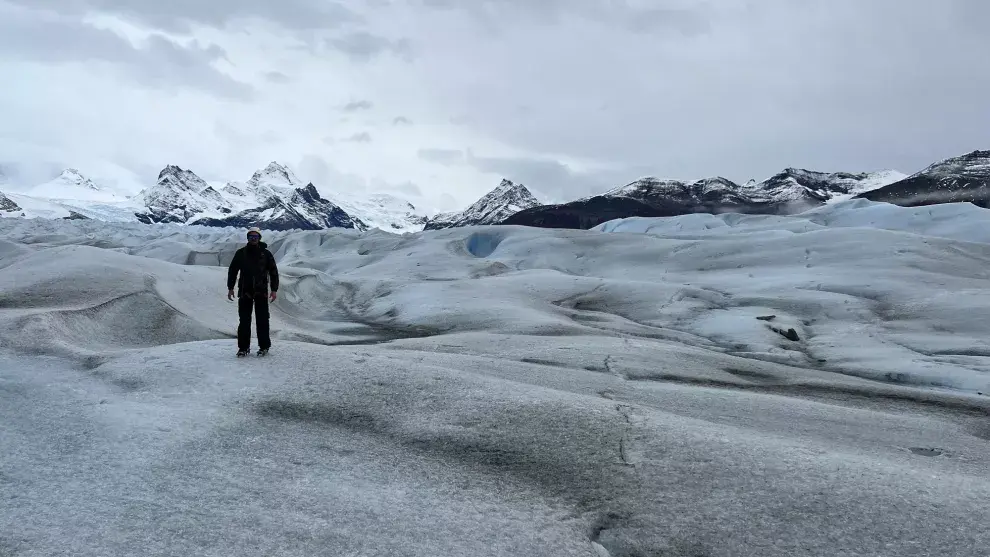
(956, 179)
(788, 192)
(493, 208)
(384, 211)
(181, 196)
(273, 198)
(795, 189)
(652, 190)
(72, 185)
(276, 193)
(303, 209)
(72, 195)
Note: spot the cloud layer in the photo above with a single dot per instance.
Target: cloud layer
(445, 98)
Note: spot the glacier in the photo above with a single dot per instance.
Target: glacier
(630, 390)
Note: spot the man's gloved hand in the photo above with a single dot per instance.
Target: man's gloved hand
(272, 296)
(230, 294)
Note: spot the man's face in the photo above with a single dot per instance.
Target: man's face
(253, 238)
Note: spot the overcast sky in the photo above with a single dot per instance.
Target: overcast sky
(437, 100)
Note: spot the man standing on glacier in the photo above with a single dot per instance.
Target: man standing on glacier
(258, 274)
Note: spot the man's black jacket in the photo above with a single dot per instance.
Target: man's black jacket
(258, 270)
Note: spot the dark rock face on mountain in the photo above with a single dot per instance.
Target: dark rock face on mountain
(304, 210)
(493, 208)
(180, 196)
(791, 191)
(7, 204)
(588, 213)
(959, 179)
(647, 197)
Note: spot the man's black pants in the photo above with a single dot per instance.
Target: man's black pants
(258, 303)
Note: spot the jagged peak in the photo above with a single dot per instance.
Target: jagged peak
(507, 186)
(276, 166)
(170, 170)
(72, 175)
(276, 172)
(309, 192)
(174, 177)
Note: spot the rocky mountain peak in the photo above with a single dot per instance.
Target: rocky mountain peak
(275, 175)
(170, 170)
(175, 177)
(965, 178)
(74, 177)
(495, 206)
(7, 204)
(508, 190)
(974, 164)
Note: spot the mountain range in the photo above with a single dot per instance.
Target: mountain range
(496, 206)
(956, 179)
(274, 198)
(790, 191)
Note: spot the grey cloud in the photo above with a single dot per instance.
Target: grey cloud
(447, 202)
(229, 134)
(657, 15)
(362, 46)
(354, 106)
(277, 77)
(326, 178)
(17, 175)
(441, 156)
(855, 86)
(407, 188)
(314, 169)
(160, 63)
(179, 15)
(401, 121)
(683, 21)
(362, 137)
